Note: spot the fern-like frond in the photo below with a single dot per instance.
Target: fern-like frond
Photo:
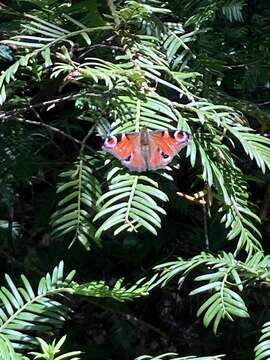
(50, 351)
(47, 33)
(49, 36)
(160, 59)
(220, 170)
(152, 112)
(259, 263)
(114, 75)
(7, 352)
(222, 303)
(225, 277)
(25, 312)
(153, 63)
(40, 32)
(130, 203)
(177, 52)
(80, 191)
(8, 75)
(118, 291)
(262, 350)
(256, 146)
(239, 216)
(232, 10)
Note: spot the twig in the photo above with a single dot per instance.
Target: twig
(83, 142)
(205, 228)
(8, 114)
(102, 46)
(186, 108)
(265, 205)
(112, 8)
(52, 128)
(263, 103)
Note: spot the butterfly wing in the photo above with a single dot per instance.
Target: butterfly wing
(164, 145)
(126, 148)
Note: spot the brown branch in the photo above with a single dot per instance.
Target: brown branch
(112, 8)
(7, 115)
(266, 204)
(83, 142)
(102, 46)
(54, 129)
(183, 107)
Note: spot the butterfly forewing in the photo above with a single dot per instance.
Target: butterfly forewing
(126, 148)
(164, 145)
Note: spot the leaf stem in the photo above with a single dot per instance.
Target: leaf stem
(138, 115)
(132, 193)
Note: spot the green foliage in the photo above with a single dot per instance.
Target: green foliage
(76, 208)
(98, 70)
(24, 311)
(138, 206)
(6, 54)
(232, 10)
(117, 292)
(263, 348)
(6, 350)
(49, 35)
(7, 76)
(134, 11)
(119, 66)
(225, 277)
(206, 10)
(49, 351)
(155, 112)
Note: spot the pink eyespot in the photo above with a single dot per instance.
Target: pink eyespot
(182, 136)
(110, 142)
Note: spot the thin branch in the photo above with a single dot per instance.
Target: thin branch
(112, 8)
(263, 103)
(183, 107)
(131, 196)
(101, 46)
(205, 228)
(266, 205)
(83, 142)
(52, 128)
(7, 115)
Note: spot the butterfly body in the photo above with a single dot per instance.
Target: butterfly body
(146, 150)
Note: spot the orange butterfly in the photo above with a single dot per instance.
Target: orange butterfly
(146, 150)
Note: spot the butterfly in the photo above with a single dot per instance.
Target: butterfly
(146, 150)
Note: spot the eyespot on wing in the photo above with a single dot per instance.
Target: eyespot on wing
(110, 142)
